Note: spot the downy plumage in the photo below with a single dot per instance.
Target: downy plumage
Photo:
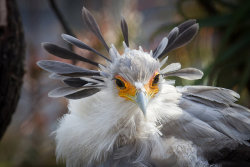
(129, 114)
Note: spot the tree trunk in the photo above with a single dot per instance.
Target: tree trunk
(11, 61)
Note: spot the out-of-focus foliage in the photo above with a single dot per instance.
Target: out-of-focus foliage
(220, 49)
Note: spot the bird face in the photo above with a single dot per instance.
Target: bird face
(135, 81)
(128, 90)
(138, 92)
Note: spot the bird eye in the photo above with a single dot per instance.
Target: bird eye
(156, 80)
(120, 83)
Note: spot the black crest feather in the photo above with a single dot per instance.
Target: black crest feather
(65, 69)
(161, 47)
(93, 26)
(75, 82)
(124, 28)
(181, 35)
(83, 93)
(82, 45)
(72, 93)
(65, 54)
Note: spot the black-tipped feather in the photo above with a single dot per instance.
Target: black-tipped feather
(172, 35)
(91, 80)
(83, 93)
(65, 54)
(91, 23)
(124, 28)
(75, 82)
(82, 45)
(183, 26)
(65, 69)
(97, 78)
(184, 37)
(181, 35)
(57, 76)
(63, 91)
(161, 47)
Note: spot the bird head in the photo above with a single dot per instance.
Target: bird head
(133, 80)
(134, 75)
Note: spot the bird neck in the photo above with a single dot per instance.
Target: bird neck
(103, 123)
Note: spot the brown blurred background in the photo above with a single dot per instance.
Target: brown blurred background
(220, 49)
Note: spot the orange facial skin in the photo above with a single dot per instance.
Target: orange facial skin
(152, 89)
(129, 91)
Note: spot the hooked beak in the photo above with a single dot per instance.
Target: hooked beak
(142, 101)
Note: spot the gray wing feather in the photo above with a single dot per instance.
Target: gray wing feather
(199, 132)
(210, 119)
(210, 113)
(220, 95)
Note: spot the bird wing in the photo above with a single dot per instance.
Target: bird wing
(210, 118)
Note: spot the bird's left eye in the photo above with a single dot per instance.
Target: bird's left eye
(156, 80)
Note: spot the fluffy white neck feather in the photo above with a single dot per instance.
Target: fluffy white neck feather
(96, 125)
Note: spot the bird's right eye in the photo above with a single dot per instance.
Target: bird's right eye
(120, 83)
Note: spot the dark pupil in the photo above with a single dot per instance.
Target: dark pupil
(156, 79)
(119, 83)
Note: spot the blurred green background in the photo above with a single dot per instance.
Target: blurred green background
(221, 49)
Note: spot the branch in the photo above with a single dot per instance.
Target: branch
(62, 21)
